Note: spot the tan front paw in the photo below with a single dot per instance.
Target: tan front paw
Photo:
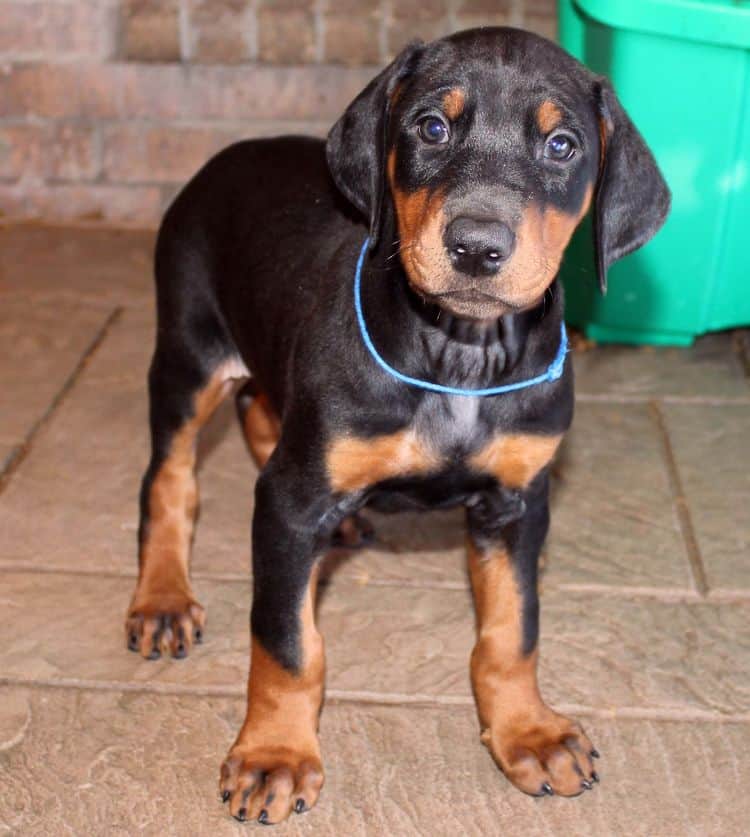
(543, 753)
(268, 783)
(167, 621)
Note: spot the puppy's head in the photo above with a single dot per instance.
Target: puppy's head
(489, 147)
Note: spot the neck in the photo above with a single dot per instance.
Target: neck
(424, 341)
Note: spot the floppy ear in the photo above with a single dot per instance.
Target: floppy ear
(632, 198)
(356, 144)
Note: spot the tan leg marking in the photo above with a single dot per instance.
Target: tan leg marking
(533, 745)
(514, 460)
(163, 612)
(275, 765)
(262, 429)
(548, 117)
(355, 463)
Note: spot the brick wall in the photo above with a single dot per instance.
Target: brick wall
(107, 106)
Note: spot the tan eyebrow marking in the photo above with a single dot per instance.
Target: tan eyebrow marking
(453, 103)
(548, 117)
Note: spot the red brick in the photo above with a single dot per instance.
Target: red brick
(72, 152)
(148, 91)
(353, 40)
(143, 153)
(355, 7)
(286, 37)
(150, 30)
(287, 5)
(419, 9)
(484, 7)
(539, 8)
(545, 26)
(71, 89)
(403, 32)
(39, 29)
(220, 31)
(12, 202)
(472, 21)
(21, 150)
(91, 202)
(138, 153)
(314, 93)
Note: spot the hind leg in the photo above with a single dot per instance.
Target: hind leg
(262, 428)
(260, 424)
(164, 613)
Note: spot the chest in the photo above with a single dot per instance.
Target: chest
(447, 452)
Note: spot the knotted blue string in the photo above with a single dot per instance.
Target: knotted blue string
(554, 370)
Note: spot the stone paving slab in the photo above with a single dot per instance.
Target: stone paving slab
(41, 343)
(597, 652)
(712, 449)
(105, 265)
(708, 369)
(95, 452)
(107, 762)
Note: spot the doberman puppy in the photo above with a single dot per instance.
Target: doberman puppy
(469, 162)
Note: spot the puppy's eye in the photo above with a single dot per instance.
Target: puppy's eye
(433, 130)
(559, 147)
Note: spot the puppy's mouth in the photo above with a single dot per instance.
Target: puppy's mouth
(474, 304)
(467, 296)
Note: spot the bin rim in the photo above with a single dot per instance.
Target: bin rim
(725, 22)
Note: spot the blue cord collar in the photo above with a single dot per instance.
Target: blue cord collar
(554, 370)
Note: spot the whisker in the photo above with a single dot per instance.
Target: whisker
(399, 251)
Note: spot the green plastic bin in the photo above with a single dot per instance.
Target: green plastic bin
(682, 71)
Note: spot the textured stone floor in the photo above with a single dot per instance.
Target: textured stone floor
(645, 613)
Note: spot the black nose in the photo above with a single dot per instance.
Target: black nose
(478, 248)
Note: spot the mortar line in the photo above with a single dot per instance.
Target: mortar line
(24, 449)
(667, 595)
(684, 517)
(699, 400)
(372, 698)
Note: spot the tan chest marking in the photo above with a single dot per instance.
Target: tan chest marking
(355, 463)
(514, 460)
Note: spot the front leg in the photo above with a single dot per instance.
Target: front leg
(540, 751)
(274, 766)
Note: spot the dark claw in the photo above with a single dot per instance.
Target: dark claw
(299, 806)
(155, 654)
(263, 817)
(225, 796)
(180, 653)
(586, 784)
(595, 754)
(547, 789)
(241, 814)
(198, 635)
(595, 775)
(133, 642)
